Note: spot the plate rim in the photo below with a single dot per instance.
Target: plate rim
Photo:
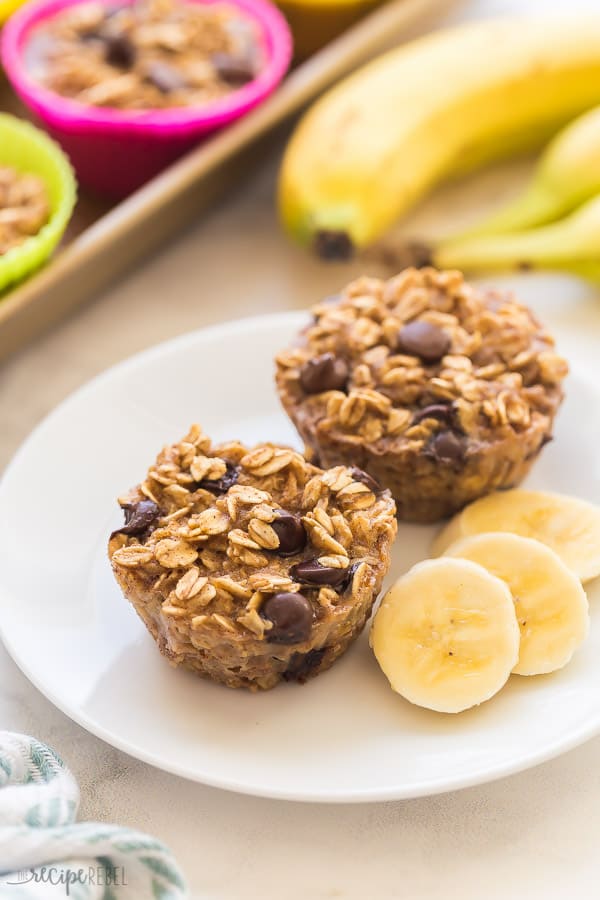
(424, 788)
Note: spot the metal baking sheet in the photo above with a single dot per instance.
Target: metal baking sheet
(105, 239)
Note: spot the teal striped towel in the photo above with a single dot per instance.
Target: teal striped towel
(46, 855)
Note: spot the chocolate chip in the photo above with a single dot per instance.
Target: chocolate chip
(422, 339)
(233, 70)
(88, 36)
(350, 576)
(443, 412)
(447, 447)
(312, 572)
(329, 244)
(290, 531)
(119, 51)
(220, 485)
(324, 373)
(138, 517)
(291, 615)
(165, 78)
(303, 664)
(366, 479)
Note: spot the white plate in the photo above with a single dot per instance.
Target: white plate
(343, 736)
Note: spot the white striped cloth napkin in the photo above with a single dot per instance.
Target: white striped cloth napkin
(46, 855)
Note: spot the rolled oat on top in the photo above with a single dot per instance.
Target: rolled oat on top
(250, 566)
(440, 390)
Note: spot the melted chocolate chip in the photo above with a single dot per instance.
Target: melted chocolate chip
(443, 412)
(290, 531)
(291, 616)
(165, 78)
(366, 479)
(88, 36)
(447, 447)
(220, 485)
(313, 573)
(350, 575)
(138, 517)
(234, 70)
(119, 51)
(324, 373)
(329, 244)
(302, 665)
(422, 339)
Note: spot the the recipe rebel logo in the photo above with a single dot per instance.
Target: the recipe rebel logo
(99, 875)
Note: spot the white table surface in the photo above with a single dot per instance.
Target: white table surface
(533, 836)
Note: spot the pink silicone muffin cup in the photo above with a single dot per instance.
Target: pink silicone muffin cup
(115, 151)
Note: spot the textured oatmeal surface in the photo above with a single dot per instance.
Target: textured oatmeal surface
(24, 207)
(441, 390)
(147, 55)
(251, 565)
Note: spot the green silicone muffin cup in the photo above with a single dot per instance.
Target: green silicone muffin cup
(29, 150)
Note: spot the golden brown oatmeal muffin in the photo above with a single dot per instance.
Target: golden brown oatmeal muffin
(250, 566)
(441, 391)
(152, 54)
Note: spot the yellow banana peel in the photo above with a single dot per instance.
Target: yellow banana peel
(372, 146)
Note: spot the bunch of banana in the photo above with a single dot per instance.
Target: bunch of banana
(505, 597)
(437, 107)
(566, 176)
(554, 223)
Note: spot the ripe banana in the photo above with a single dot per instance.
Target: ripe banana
(569, 245)
(551, 605)
(439, 106)
(569, 526)
(446, 635)
(567, 175)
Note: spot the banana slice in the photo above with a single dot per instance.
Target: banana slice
(551, 605)
(569, 526)
(446, 635)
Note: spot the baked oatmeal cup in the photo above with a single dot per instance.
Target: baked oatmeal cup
(127, 87)
(37, 196)
(151, 54)
(252, 566)
(441, 391)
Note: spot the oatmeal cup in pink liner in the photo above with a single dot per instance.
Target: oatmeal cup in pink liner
(116, 150)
